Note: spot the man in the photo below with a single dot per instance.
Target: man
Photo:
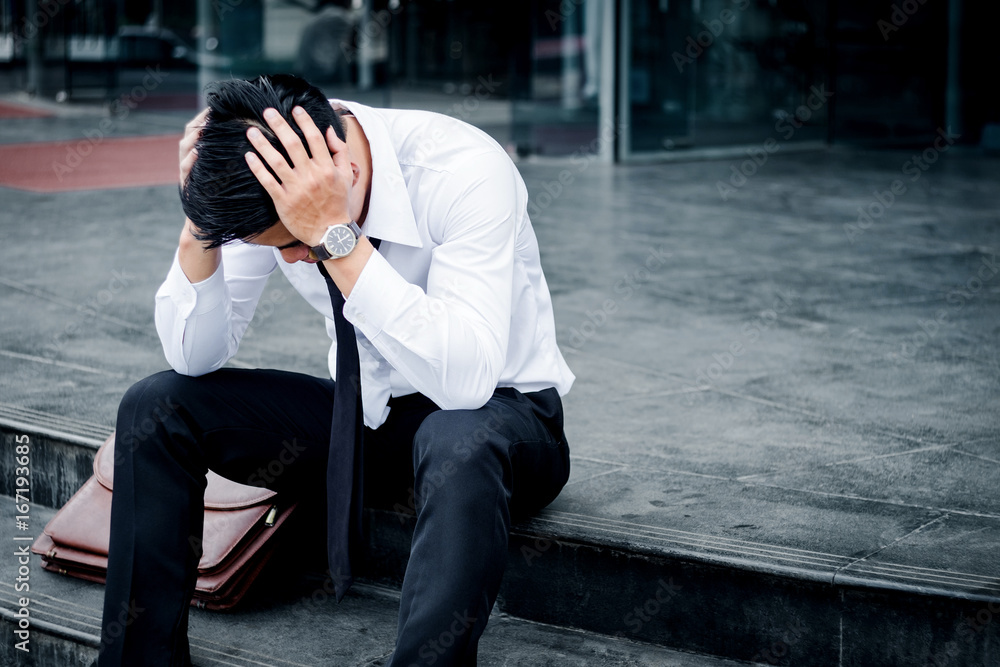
(459, 376)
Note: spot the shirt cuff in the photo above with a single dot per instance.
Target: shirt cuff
(193, 298)
(376, 296)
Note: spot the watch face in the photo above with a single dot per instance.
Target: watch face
(339, 240)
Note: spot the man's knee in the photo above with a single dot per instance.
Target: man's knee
(158, 395)
(459, 436)
(147, 406)
(454, 445)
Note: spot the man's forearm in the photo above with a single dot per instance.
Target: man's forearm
(196, 261)
(345, 271)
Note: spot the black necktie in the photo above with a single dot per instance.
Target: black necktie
(344, 469)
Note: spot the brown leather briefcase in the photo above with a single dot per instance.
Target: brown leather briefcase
(241, 524)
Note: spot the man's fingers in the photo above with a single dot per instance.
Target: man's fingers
(186, 165)
(193, 128)
(286, 135)
(198, 120)
(314, 138)
(333, 141)
(187, 145)
(338, 148)
(263, 175)
(274, 159)
(192, 132)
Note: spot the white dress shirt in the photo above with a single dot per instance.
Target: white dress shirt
(452, 305)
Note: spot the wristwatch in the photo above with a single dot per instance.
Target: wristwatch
(338, 241)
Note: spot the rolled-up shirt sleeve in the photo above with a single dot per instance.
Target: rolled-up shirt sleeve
(201, 324)
(450, 340)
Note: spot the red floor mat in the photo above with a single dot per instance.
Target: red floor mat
(90, 164)
(11, 110)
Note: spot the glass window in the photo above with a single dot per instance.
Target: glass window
(707, 73)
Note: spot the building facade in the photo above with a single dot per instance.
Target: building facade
(625, 80)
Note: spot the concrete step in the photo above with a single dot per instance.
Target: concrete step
(675, 589)
(287, 624)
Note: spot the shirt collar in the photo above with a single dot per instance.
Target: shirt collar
(390, 213)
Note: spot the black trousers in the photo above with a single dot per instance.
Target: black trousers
(470, 470)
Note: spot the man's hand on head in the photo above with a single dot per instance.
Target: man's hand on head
(196, 260)
(192, 132)
(311, 193)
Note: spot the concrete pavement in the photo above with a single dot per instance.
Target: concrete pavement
(793, 372)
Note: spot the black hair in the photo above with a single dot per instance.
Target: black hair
(222, 197)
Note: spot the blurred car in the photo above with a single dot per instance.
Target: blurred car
(139, 46)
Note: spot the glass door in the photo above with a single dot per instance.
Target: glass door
(719, 76)
(656, 95)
